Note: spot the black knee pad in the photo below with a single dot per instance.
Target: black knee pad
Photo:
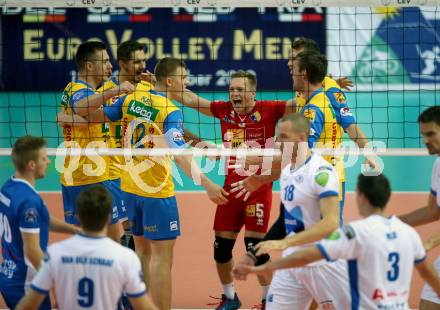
(250, 243)
(223, 249)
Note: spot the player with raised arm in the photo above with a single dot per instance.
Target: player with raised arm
(429, 121)
(79, 98)
(89, 270)
(381, 252)
(25, 221)
(147, 185)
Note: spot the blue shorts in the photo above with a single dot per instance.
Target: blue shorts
(13, 296)
(70, 195)
(154, 218)
(119, 213)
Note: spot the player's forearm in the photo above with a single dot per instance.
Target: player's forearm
(420, 216)
(91, 104)
(428, 273)
(357, 135)
(315, 233)
(191, 169)
(34, 255)
(57, 225)
(27, 303)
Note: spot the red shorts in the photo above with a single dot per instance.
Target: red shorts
(253, 214)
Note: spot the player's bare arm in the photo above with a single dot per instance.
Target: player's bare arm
(88, 105)
(142, 303)
(71, 119)
(215, 193)
(31, 248)
(193, 101)
(31, 301)
(57, 225)
(432, 242)
(424, 215)
(329, 207)
(428, 273)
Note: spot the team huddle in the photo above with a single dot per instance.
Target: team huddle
(326, 263)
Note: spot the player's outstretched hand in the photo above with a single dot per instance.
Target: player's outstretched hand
(126, 87)
(271, 245)
(245, 260)
(345, 83)
(217, 194)
(245, 187)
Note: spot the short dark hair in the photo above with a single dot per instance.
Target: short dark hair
(93, 207)
(305, 44)
(87, 50)
(431, 114)
(125, 50)
(376, 189)
(252, 78)
(315, 65)
(26, 149)
(167, 66)
(299, 122)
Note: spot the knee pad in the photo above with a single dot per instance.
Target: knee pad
(250, 243)
(223, 249)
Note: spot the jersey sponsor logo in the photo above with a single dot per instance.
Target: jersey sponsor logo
(322, 178)
(7, 268)
(31, 215)
(391, 235)
(345, 111)
(78, 95)
(236, 136)
(349, 232)
(65, 99)
(310, 114)
(147, 101)
(174, 226)
(334, 235)
(250, 210)
(256, 134)
(138, 109)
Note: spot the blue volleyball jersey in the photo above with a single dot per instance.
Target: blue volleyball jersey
(21, 210)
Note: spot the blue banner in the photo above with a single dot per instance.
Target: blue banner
(38, 45)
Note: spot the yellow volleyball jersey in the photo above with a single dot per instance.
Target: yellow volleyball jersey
(81, 170)
(325, 130)
(148, 114)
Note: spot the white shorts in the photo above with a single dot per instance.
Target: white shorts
(294, 289)
(427, 292)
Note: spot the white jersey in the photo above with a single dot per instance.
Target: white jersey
(90, 273)
(435, 181)
(381, 254)
(301, 191)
